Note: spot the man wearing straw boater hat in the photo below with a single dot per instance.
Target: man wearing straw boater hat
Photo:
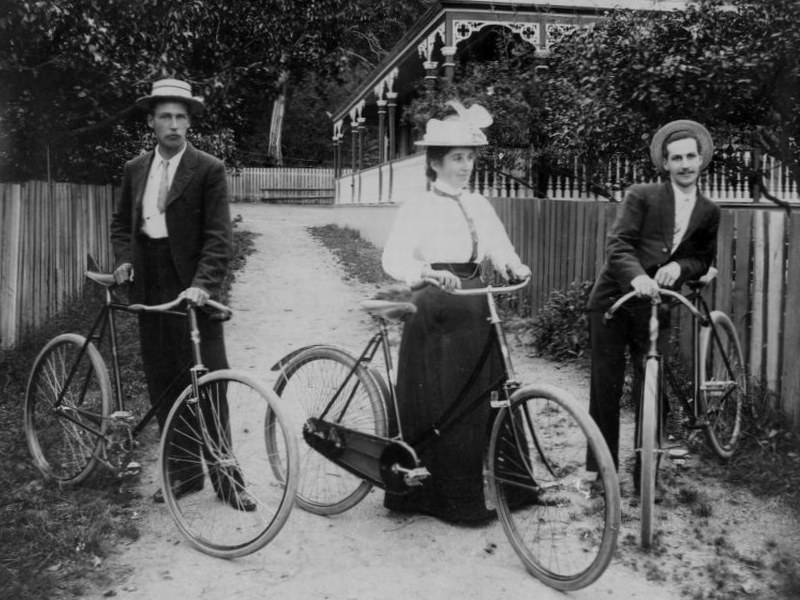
(171, 234)
(664, 234)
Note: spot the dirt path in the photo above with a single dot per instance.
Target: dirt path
(290, 294)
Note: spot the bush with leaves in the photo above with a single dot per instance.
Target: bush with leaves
(561, 327)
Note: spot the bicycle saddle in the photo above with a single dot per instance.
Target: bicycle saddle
(106, 279)
(386, 309)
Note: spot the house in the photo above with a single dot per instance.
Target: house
(447, 34)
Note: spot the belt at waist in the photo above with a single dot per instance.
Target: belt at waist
(468, 270)
(149, 242)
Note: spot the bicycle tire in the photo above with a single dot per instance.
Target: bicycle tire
(63, 449)
(215, 439)
(648, 429)
(722, 390)
(564, 532)
(306, 384)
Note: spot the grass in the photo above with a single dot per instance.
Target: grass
(360, 259)
(54, 540)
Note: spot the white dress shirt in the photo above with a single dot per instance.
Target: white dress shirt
(154, 224)
(432, 229)
(684, 205)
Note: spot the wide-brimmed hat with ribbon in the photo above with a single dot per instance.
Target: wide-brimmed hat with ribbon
(166, 90)
(693, 127)
(461, 130)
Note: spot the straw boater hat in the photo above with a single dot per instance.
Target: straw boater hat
(165, 90)
(700, 132)
(461, 130)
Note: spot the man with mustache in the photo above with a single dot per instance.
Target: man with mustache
(664, 234)
(171, 234)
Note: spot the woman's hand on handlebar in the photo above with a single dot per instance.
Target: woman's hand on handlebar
(445, 279)
(516, 273)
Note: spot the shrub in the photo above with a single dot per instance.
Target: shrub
(561, 327)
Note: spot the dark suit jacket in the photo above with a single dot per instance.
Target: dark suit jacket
(640, 241)
(197, 215)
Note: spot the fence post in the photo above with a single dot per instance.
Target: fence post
(10, 209)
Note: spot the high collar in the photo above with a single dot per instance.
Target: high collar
(680, 194)
(448, 190)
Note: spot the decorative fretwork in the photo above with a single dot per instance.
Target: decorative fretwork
(387, 83)
(556, 31)
(425, 49)
(463, 29)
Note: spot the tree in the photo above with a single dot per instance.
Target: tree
(733, 69)
(71, 68)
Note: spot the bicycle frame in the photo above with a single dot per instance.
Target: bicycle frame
(104, 325)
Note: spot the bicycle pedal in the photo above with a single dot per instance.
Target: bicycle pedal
(131, 469)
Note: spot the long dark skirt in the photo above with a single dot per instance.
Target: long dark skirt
(441, 346)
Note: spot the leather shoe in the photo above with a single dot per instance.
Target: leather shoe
(180, 489)
(238, 497)
(230, 488)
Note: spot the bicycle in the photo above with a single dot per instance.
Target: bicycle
(719, 386)
(71, 429)
(535, 465)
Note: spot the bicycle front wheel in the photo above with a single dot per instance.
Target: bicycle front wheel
(723, 384)
(562, 526)
(67, 406)
(215, 465)
(648, 430)
(308, 383)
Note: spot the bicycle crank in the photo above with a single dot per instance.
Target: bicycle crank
(388, 464)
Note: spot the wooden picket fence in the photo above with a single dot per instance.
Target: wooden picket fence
(252, 185)
(758, 283)
(47, 234)
(49, 231)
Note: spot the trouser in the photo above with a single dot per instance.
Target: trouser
(167, 352)
(629, 329)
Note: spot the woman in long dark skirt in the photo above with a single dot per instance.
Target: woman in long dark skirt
(445, 235)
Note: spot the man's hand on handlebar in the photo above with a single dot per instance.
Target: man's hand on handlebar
(123, 273)
(667, 275)
(195, 296)
(645, 286)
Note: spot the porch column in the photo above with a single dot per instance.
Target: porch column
(362, 129)
(335, 156)
(430, 72)
(381, 131)
(449, 53)
(353, 141)
(392, 96)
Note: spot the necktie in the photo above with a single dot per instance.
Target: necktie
(163, 186)
(470, 223)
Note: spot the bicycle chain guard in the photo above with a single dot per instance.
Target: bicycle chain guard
(388, 464)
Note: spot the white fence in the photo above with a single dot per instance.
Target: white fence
(393, 181)
(254, 184)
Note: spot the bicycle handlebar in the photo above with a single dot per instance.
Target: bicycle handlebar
(167, 306)
(489, 289)
(663, 292)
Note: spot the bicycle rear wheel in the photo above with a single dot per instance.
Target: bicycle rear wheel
(308, 382)
(65, 436)
(564, 531)
(215, 473)
(648, 430)
(723, 384)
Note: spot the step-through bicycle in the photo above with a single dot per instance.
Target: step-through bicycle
(75, 420)
(715, 399)
(565, 533)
